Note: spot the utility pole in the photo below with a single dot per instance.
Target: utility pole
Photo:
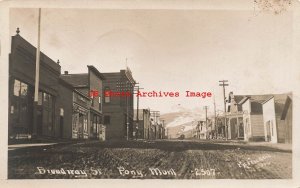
(155, 114)
(224, 83)
(127, 118)
(37, 78)
(137, 88)
(205, 108)
(215, 113)
(167, 130)
(163, 128)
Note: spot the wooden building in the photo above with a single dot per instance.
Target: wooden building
(277, 118)
(253, 117)
(234, 118)
(143, 123)
(87, 110)
(74, 112)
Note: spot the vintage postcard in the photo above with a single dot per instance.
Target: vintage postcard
(176, 90)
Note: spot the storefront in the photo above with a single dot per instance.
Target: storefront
(26, 121)
(21, 108)
(79, 123)
(95, 125)
(21, 111)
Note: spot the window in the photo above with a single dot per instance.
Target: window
(85, 124)
(106, 120)
(19, 108)
(45, 98)
(20, 88)
(100, 104)
(48, 113)
(106, 96)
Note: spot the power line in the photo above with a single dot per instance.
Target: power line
(223, 84)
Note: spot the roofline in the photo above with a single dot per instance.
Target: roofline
(82, 94)
(91, 67)
(244, 100)
(268, 99)
(66, 83)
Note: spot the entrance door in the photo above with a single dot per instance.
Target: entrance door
(241, 130)
(61, 123)
(268, 128)
(80, 126)
(233, 131)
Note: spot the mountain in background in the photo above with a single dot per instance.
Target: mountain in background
(183, 121)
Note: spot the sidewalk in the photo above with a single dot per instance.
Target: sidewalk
(17, 146)
(281, 146)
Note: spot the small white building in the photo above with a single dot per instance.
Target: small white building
(277, 118)
(253, 117)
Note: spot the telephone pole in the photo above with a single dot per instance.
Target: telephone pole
(37, 78)
(137, 88)
(215, 113)
(155, 114)
(224, 83)
(205, 108)
(163, 129)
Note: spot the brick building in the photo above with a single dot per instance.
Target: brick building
(21, 92)
(118, 110)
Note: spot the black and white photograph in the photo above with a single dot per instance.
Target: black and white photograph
(176, 90)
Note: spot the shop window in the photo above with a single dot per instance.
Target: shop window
(85, 125)
(20, 88)
(95, 124)
(19, 104)
(100, 104)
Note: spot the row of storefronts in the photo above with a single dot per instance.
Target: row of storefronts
(64, 108)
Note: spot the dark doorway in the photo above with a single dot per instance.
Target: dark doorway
(61, 123)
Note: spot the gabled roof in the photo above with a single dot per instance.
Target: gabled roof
(282, 103)
(237, 98)
(76, 80)
(256, 98)
(287, 106)
(92, 68)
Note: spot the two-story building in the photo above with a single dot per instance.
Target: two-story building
(88, 115)
(21, 92)
(253, 117)
(118, 109)
(142, 123)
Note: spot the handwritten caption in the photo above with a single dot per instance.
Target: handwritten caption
(132, 173)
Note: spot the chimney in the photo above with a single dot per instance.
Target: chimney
(66, 72)
(18, 31)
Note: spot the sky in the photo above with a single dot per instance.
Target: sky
(170, 50)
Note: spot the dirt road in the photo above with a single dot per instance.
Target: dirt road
(148, 160)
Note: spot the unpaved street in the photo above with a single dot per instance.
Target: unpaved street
(148, 160)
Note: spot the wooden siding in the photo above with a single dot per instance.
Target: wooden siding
(257, 125)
